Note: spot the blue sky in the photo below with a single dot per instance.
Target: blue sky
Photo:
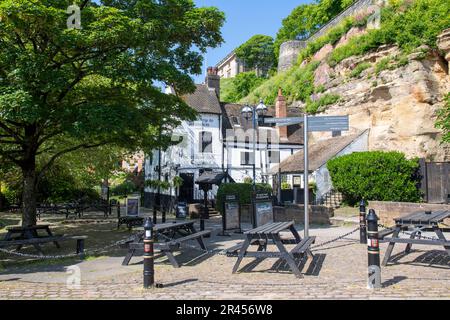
(244, 19)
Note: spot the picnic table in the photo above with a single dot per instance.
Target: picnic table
(170, 236)
(416, 223)
(270, 232)
(20, 236)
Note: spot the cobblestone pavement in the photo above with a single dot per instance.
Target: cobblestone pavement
(338, 271)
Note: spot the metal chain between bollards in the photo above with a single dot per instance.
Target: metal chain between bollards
(334, 240)
(407, 233)
(70, 255)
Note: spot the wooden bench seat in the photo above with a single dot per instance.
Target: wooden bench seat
(233, 251)
(303, 245)
(189, 237)
(436, 242)
(41, 240)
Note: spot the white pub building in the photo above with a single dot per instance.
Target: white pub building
(221, 140)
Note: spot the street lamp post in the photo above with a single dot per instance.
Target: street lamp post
(256, 113)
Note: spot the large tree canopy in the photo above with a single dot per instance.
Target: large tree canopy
(306, 19)
(257, 53)
(95, 85)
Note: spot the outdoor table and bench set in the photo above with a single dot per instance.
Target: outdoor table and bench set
(19, 236)
(270, 232)
(170, 236)
(416, 223)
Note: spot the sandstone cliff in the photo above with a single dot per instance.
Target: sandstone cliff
(394, 95)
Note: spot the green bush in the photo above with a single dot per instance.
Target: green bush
(241, 85)
(325, 100)
(376, 175)
(407, 24)
(123, 189)
(242, 190)
(359, 69)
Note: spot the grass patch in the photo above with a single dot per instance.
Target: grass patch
(313, 107)
(356, 72)
(381, 65)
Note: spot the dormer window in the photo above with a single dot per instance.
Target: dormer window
(205, 142)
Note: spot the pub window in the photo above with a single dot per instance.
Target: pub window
(246, 158)
(247, 142)
(274, 156)
(205, 142)
(335, 133)
(235, 120)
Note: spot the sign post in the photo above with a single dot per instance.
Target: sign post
(311, 124)
(306, 175)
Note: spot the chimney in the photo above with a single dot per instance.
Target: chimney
(281, 112)
(213, 80)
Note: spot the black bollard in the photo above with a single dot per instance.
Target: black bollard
(149, 268)
(362, 223)
(373, 250)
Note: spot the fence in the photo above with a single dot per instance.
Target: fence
(435, 181)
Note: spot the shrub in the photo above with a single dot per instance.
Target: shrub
(123, 189)
(355, 73)
(325, 100)
(241, 85)
(286, 186)
(381, 65)
(376, 175)
(444, 119)
(242, 190)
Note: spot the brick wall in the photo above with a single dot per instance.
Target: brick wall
(387, 210)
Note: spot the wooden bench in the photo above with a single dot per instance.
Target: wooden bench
(167, 247)
(130, 222)
(233, 251)
(35, 242)
(303, 246)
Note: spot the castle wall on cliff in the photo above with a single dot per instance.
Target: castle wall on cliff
(290, 50)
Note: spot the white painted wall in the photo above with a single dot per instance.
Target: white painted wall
(186, 155)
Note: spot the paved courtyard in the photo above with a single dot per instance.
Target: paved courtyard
(338, 271)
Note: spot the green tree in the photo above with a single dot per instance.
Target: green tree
(444, 119)
(242, 85)
(306, 19)
(257, 53)
(95, 85)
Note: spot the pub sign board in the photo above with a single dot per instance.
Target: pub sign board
(263, 209)
(181, 210)
(231, 218)
(133, 206)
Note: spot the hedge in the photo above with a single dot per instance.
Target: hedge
(377, 176)
(242, 190)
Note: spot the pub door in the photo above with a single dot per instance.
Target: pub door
(187, 188)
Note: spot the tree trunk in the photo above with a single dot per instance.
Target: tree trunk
(29, 195)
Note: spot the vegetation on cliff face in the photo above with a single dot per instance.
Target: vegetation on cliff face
(236, 88)
(306, 19)
(444, 120)
(405, 23)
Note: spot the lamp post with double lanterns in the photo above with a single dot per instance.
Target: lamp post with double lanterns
(256, 113)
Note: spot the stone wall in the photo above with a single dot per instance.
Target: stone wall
(290, 50)
(387, 211)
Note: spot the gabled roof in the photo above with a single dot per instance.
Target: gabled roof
(319, 154)
(203, 100)
(233, 110)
